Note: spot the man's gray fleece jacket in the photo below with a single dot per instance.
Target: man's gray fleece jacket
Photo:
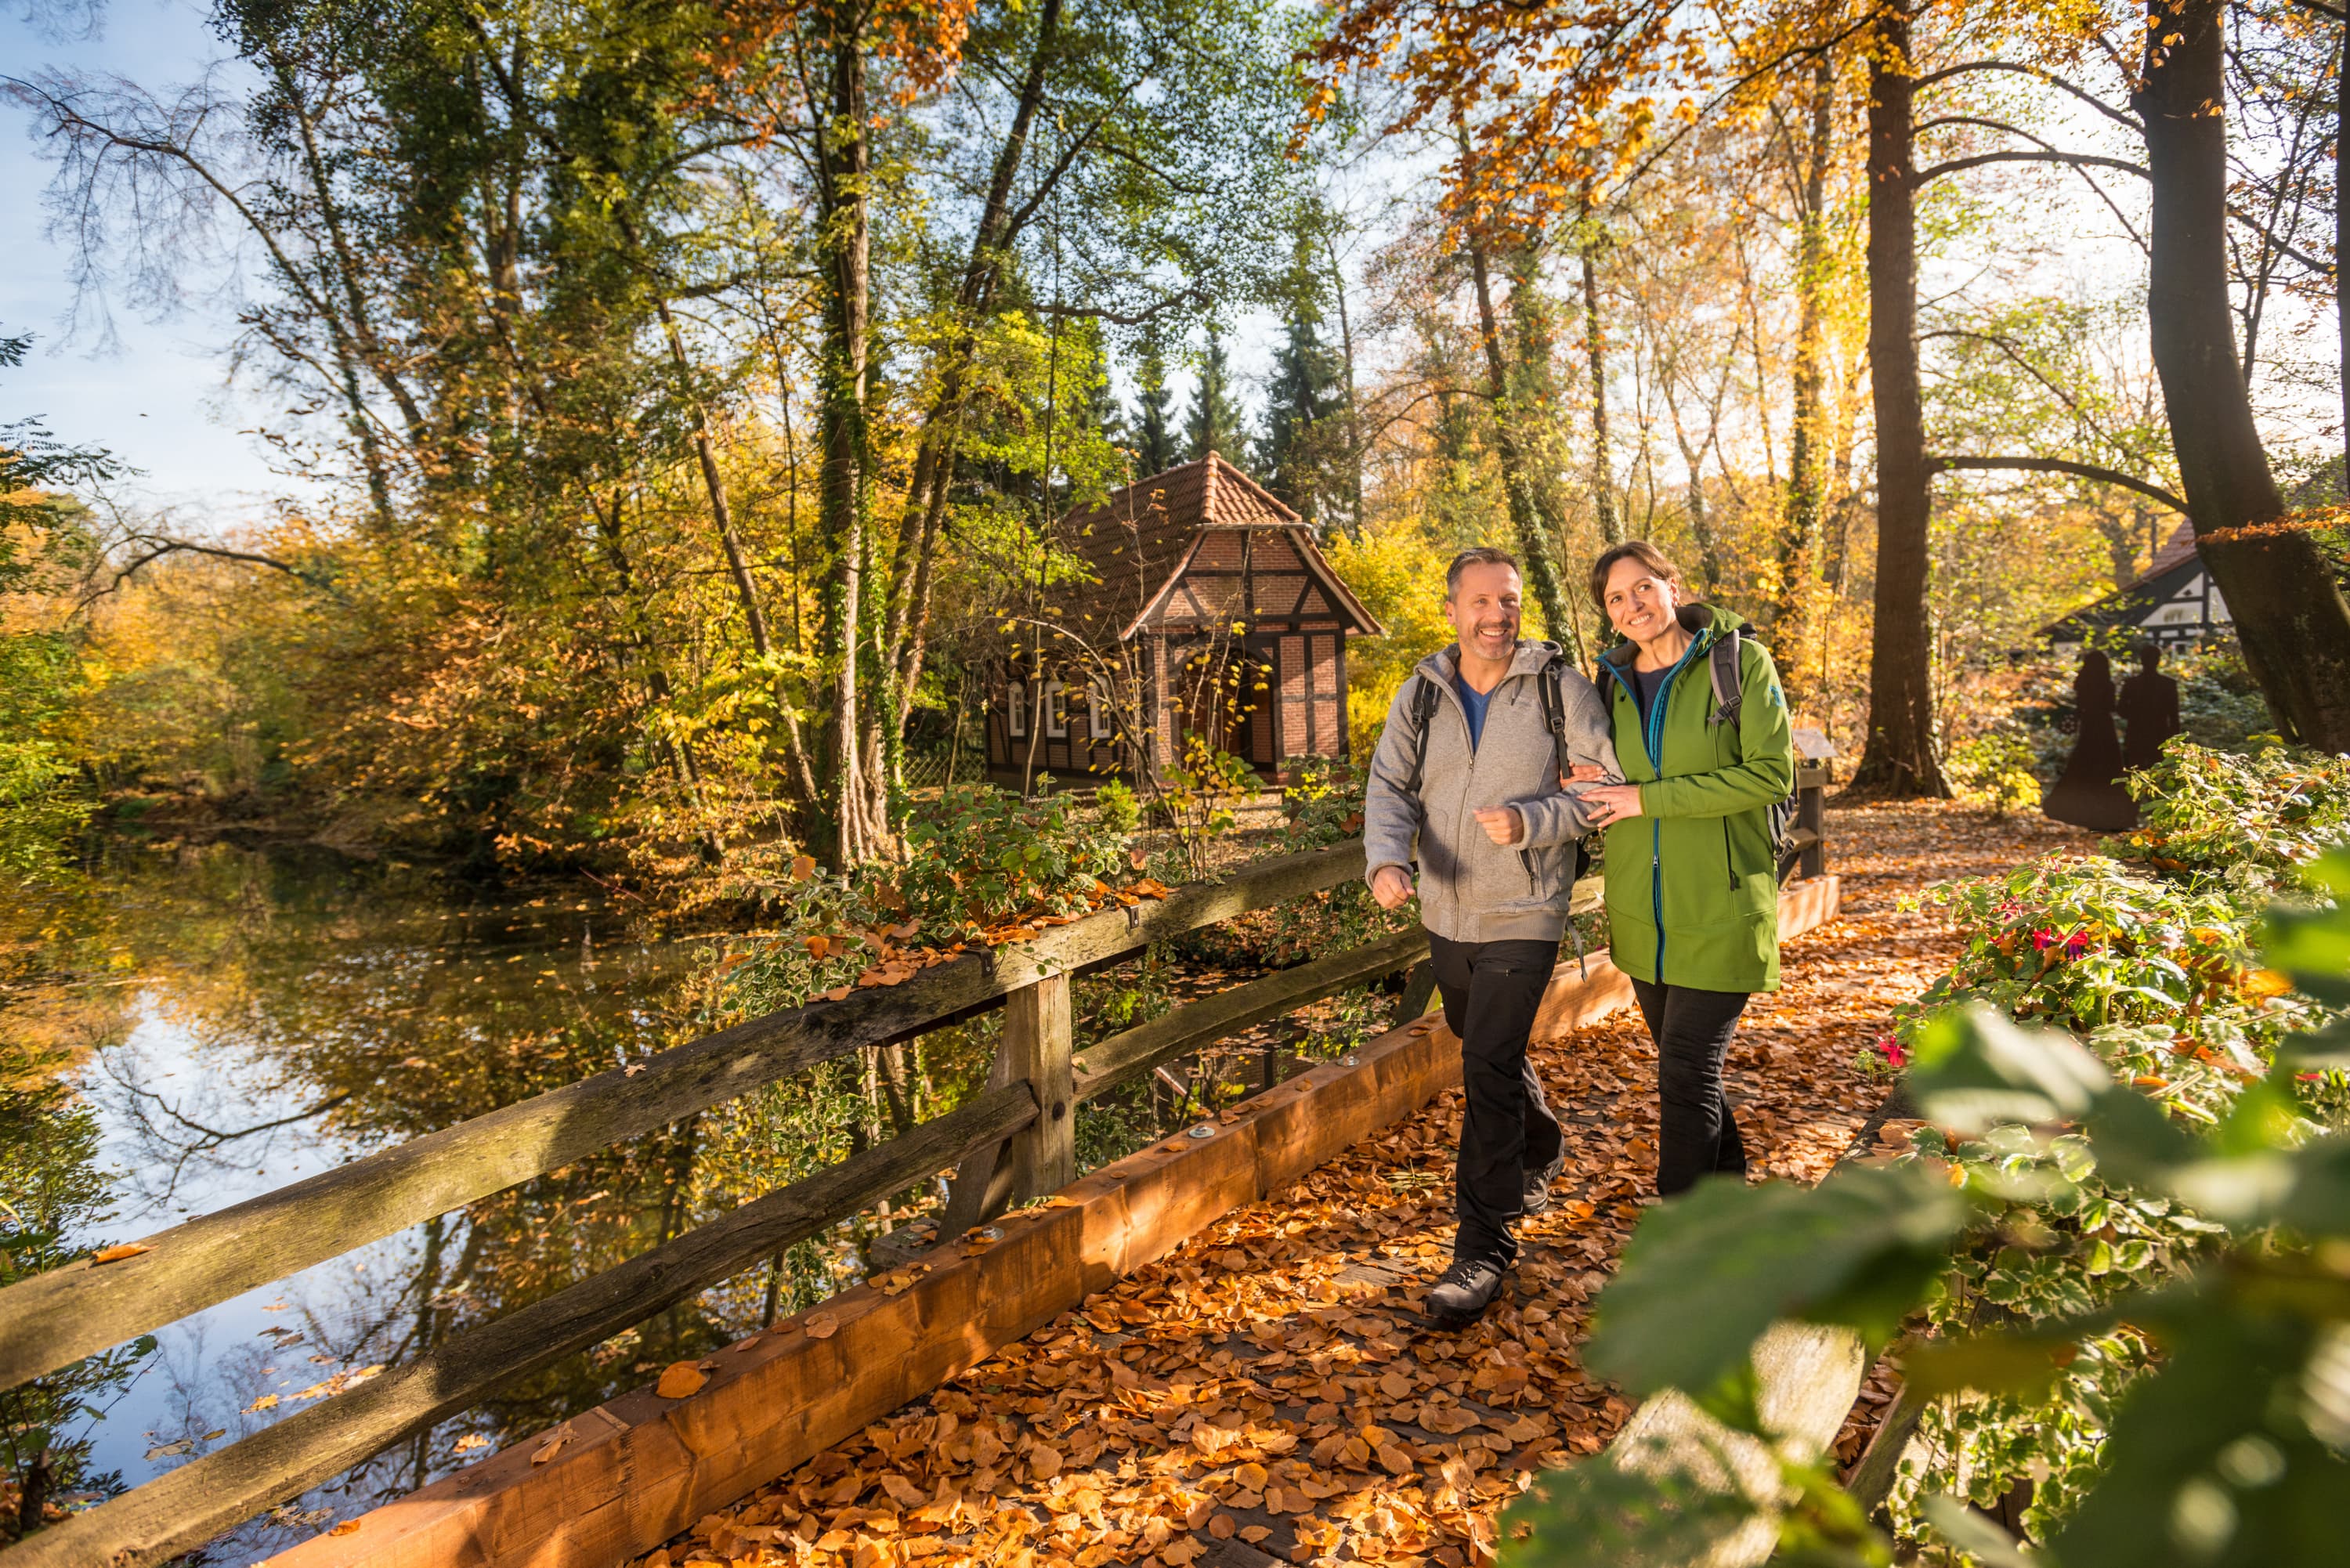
(1470, 888)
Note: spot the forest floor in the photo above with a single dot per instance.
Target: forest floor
(1268, 1391)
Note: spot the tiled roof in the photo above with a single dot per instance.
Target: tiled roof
(2182, 545)
(1138, 537)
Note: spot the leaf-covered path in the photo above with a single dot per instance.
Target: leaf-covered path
(1268, 1393)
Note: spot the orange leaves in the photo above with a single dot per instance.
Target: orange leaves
(681, 1380)
(118, 1252)
(820, 1325)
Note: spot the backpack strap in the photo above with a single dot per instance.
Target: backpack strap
(1422, 711)
(1554, 705)
(1721, 664)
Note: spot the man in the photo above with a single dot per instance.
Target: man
(1476, 788)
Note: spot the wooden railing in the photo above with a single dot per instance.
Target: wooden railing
(1014, 1140)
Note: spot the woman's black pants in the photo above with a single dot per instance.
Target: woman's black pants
(1696, 1134)
(1492, 991)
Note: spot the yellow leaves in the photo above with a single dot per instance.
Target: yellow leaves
(266, 1402)
(681, 1380)
(2265, 982)
(118, 1252)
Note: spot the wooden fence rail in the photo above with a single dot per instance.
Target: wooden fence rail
(1015, 1141)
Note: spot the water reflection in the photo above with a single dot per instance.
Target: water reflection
(239, 1018)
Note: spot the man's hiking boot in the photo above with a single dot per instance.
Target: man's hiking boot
(1465, 1290)
(1536, 1199)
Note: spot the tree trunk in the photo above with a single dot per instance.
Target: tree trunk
(1533, 544)
(1602, 483)
(2288, 612)
(1897, 760)
(1799, 544)
(1354, 409)
(847, 240)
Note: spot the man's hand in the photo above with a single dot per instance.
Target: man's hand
(1391, 887)
(1502, 823)
(1612, 803)
(1585, 773)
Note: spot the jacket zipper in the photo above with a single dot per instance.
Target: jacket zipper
(1652, 737)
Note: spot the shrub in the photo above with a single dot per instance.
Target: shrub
(1998, 769)
(979, 859)
(2246, 816)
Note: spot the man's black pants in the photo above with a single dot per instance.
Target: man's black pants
(1491, 992)
(1696, 1134)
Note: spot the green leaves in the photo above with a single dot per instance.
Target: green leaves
(1709, 1271)
(2234, 1454)
(1975, 1069)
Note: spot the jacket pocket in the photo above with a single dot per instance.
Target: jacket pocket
(1543, 877)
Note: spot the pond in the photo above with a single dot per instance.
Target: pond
(239, 1018)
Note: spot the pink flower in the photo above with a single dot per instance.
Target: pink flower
(1890, 1049)
(2076, 944)
(2043, 940)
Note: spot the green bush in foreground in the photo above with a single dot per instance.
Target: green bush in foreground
(2065, 1240)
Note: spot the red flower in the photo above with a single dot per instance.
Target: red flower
(2043, 940)
(1890, 1049)
(2076, 944)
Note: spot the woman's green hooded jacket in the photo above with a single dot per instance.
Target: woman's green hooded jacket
(1693, 881)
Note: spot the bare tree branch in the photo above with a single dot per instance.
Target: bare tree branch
(2089, 471)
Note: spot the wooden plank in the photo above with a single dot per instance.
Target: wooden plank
(58, 1317)
(1212, 1018)
(641, 1470)
(200, 1499)
(1043, 1156)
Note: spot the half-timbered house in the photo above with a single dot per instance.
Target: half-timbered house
(1205, 611)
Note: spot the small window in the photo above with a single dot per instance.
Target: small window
(1057, 711)
(1097, 714)
(1019, 709)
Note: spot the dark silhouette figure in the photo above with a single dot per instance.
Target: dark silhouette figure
(2149, 709)
(2089, 793)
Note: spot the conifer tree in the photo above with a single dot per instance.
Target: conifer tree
(1214, 422)
(1297, 453)
(1150, 432)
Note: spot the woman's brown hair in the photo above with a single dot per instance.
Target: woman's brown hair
(1639, 550)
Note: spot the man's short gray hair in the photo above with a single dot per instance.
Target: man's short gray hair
(1482, 555)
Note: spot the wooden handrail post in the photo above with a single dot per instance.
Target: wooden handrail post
(1811, 812)
(1042, 1157)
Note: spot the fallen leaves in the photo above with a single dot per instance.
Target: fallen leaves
(1270, 1382)
(680, 1380)
(118, 1252)
(550, 1449)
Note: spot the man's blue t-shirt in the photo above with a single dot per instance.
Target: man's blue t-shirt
(1472, 703)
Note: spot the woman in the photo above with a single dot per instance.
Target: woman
(1692, 873)
(2089, 793)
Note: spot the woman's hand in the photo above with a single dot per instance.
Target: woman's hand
(1611, 803)
(1502, 823)
(1584, 773)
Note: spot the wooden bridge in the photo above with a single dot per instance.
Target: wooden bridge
(622, 1478)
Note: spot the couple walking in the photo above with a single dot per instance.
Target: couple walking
(1679, 759)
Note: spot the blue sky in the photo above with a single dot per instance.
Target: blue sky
(158, 395)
